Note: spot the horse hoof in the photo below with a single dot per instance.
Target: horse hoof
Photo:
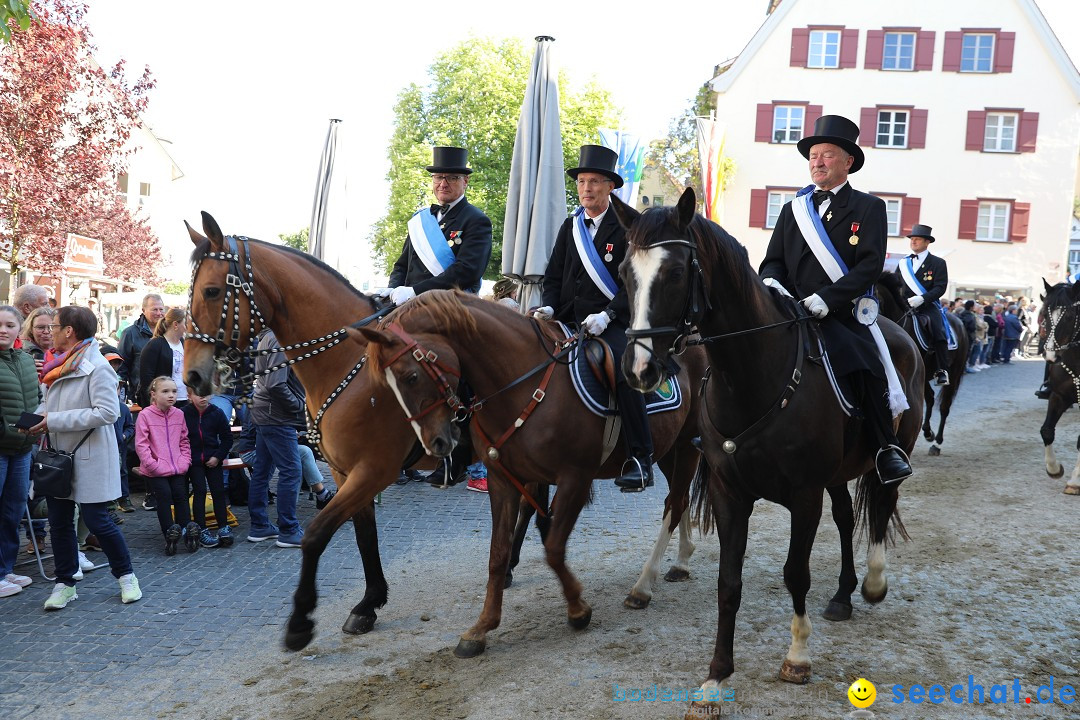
(797, 673)
(837, 611)
(508, 581)
(677, 574)
(358, 624)
(873, 599)
(296, 641)
(934, 451)
(928, 435)
(1072, 490)
(635, 602)
(469, 648)
(1058, 474)
(581, 621)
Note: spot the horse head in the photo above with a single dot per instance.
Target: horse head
(1062, 316)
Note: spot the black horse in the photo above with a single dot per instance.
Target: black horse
(1061, 308)
(895, 307)
(771, 425)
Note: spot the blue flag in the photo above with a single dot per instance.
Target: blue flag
(631, 162)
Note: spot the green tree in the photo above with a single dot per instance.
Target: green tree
(297, 240)
(472, 99)
(175, 287)
(15, 14)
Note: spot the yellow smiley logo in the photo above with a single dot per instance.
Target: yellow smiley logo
(862, 693)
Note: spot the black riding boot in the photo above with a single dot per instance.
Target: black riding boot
(637, 470)
(1043, 393)
(891, 461)
(941, 352)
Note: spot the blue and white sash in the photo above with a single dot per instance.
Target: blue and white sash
(590, 258)
(809, 222)
(429, 242)
(907, 271)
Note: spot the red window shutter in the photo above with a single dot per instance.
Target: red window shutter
(976, 129)
(1029, 130)
(969, 219)
(1021, 213)
(813, 112)
(954, 44)
(759, 207)
(909, 214)
(763, 132)
(849, 48)
(875, 49)
(800, 46)
(868, 127)
(1003, 53)
(924, 50)
(917, 130)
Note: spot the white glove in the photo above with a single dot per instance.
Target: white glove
(544, 313)
(816, 306)
(915, 301)
(775, 284)
(400, 295)
(381, 293)
(597, 323)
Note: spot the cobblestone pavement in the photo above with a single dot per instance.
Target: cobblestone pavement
(200, 610)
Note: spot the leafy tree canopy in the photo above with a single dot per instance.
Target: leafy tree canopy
(676, 156)
(15, 14)
(297, 240)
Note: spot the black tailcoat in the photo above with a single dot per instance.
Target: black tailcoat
(465, 222)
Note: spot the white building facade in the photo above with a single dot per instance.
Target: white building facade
(969, 115)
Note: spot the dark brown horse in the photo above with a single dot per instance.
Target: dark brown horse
(894, 307)
(1061, 316)
(771, 425)
(528, 423)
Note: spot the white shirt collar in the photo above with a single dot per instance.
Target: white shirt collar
(598, 219)
(449, 207)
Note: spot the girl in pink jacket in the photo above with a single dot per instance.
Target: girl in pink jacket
(161, 440)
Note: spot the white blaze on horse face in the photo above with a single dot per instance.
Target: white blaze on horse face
(392, 382)
(645, 264)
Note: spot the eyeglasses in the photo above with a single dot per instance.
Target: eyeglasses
(43, 328)
(440, 179)
(54, 326)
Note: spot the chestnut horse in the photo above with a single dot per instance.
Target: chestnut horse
(528, 423)
(771, 425)
(894, 307)
(1061, 315)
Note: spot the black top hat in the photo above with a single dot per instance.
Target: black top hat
(597, 159)
(839, 131)
(923, 231)
(449, 160)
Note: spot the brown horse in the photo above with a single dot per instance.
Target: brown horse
(528, 423)
(240, 286)
(771, 425)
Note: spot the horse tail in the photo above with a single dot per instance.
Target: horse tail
(876, 511)
(700, 497)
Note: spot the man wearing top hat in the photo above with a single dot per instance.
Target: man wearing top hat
(449, 244)
(925, 279)
(582, 287)
(827, 250)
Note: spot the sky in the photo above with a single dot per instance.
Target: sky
(246, 88)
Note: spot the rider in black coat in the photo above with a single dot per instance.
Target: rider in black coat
(932, 272)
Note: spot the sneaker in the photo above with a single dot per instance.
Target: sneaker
(191, 536)
(148, 503)
(124, 505)
(117, 520)
(225, 537)
(84, 562)
(20, 580)
(129, 588)
(322, 499)
(209, 539)
(172, 537)
(477, 484)
(290, 541)
(91, 543)
(61, 595)
(267, 533)
(7, 589)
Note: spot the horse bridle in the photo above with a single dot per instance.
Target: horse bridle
(436, 370)
(694, 307)
(1052, 322)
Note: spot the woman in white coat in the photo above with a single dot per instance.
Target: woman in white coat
(81, 401)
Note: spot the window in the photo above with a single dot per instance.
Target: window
(777, 200)
(901, 212)
(122, 183)
(977, 53)
(899, 51)
(892, 128)
(1074, 259)
(824, 49)
(892, 212)
(144, 193)
(993, 222)
(658, 200)
(1000, 135)
(788, 123)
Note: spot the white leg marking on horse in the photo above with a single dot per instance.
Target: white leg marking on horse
(686, 545)
(392, 382)
(712, 692)
(1074, 480)
(1052, 465)
(644, 586)
(645, 265)
(875, 581)
(799, 652)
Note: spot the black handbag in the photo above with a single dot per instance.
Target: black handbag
(52, 470)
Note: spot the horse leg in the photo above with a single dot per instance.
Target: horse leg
(1055, 408)
(948, 393)
(503, 498)
(362, 617)
(928, 396)
(1072, 487)
(570, 498)
(679, 506)
(805, 516)
(680, 571)
(641, 593)
(878, 505)
(524, 515)
(839, 607)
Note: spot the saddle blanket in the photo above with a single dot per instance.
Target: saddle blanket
(924, 337)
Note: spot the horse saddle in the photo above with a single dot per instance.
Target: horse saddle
(924, 331)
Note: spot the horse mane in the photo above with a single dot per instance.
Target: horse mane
(892, 284)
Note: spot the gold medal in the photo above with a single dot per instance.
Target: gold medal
(828, 215)
(854, 240)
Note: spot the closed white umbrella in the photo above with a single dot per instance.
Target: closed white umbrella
(536, 195)
(319, 209)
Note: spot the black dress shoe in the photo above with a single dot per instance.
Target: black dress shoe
(1043, 393)
(892, 466)
(941, 378)
(637, 475)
